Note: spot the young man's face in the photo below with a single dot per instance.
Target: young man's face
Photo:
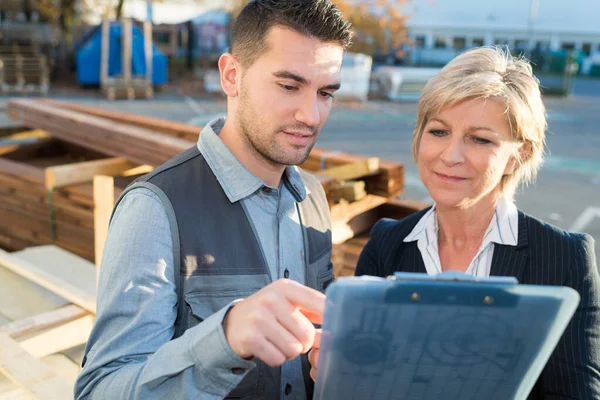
(285, 96)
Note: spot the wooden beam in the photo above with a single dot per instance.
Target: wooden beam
(59, 338)
(58, 271)
(140, 170)
(31, 374)
(104, 52)
(72, 174)
(126, 37)
(104, 201)
(40, 322)
(353, 170)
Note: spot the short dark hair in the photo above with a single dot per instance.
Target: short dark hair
(320, 19)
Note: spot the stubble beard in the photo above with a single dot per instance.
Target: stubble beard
(266, 146)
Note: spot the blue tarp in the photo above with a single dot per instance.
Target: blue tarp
(89, 57)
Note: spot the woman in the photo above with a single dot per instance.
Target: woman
(479, 134)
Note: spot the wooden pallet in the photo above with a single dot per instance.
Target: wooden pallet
(24, 74)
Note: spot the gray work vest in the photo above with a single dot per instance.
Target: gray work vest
(219, 256)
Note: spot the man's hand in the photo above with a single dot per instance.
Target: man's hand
(276, 323)
(313, 355)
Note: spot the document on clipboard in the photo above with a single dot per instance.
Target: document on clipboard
(449, 336)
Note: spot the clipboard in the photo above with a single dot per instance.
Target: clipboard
(449, 336)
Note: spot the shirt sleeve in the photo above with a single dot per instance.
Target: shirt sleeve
(130, 353)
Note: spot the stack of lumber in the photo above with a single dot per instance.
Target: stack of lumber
(346, 252)
(386, 179)
(46, 194)
(354, 185)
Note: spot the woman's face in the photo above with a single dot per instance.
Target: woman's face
(465, 150)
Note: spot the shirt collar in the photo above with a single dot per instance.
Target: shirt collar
(235, 179)
(503, 227)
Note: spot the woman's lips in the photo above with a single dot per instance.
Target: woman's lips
(450, 178)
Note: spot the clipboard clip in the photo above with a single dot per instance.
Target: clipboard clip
(452, 276)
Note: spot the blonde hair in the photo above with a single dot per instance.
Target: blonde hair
(492, 72)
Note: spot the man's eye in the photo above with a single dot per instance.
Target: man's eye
(326, 94)
(288, 88)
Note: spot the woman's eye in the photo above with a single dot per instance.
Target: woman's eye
(480, 140)
(437, 132)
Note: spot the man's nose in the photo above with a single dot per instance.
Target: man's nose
(308, 112)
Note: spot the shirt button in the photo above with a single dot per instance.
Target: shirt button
(286, 273)
(237, 371)
(288, 389)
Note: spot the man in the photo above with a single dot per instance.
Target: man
(228, 219)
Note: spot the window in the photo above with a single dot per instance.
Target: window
(459, 43)
(521, 44)
(568, 46)
(420, 41)
(440, 43)
(586, 48)
(542, 45)
(478, 42)
(500, 42)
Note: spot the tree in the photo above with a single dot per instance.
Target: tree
(119, 9)
(379, 25)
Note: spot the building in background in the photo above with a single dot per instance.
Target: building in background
(441, 29)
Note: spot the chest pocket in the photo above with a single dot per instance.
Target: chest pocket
(320, 267)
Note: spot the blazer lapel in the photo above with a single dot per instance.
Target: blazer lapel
(411, 259)
(512, 260)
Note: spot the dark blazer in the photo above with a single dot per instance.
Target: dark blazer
(544, 255)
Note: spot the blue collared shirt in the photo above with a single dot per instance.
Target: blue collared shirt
(130, 354)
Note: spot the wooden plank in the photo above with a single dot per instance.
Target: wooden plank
(138, 145)
(58, 271)
(176, 129)
(353, 170)
(104, 201)
(59, 338)
(342, 213)
(10, 391)
(31, 374)
(349, 191)
(22, 170)
(26, 326)
(20, 298)
(72, 174)
(63, 366)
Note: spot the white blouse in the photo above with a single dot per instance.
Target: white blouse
(502, 229)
